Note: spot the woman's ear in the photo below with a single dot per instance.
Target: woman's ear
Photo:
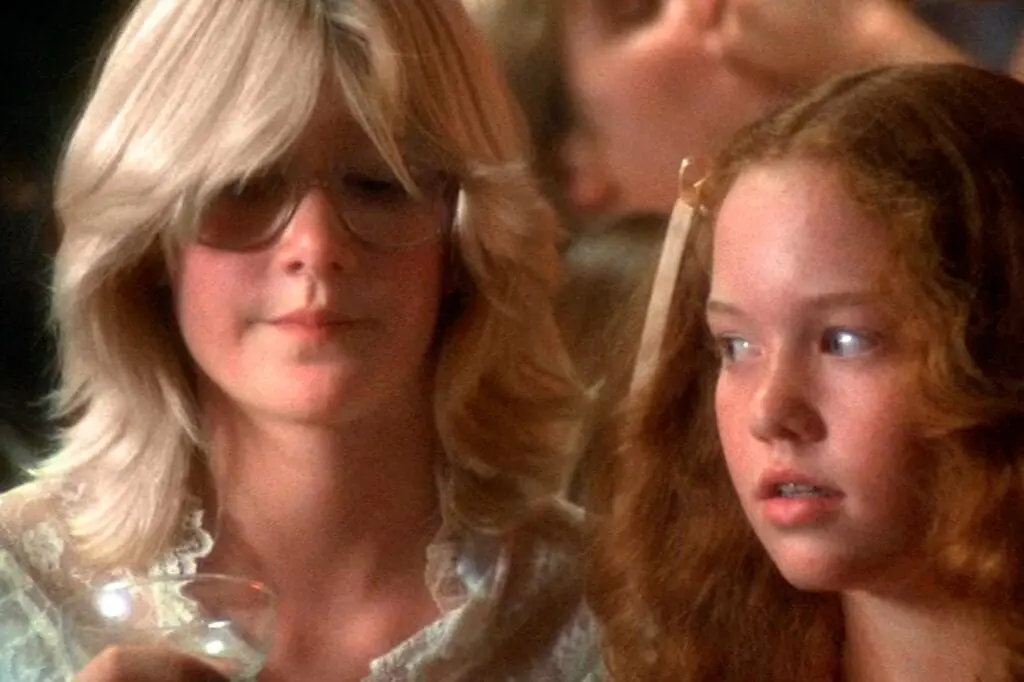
(589, 183)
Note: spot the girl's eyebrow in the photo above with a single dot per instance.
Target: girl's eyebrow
(829, 301)
(716, 307)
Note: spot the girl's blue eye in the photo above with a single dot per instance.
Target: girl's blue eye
(733, 349)
(846, 343)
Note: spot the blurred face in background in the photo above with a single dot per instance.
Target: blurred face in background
(650, 87)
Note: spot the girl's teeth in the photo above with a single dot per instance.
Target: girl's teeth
(800, 490)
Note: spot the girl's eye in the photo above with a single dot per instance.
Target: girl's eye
(846, 343)
(733, 349)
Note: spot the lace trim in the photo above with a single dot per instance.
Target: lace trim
(451, 580)
(195, 545)
(32, 650)
(466, 574)
(463, 576)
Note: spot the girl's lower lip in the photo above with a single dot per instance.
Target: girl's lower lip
(791, 512)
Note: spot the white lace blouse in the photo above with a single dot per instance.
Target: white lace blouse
(465, 574)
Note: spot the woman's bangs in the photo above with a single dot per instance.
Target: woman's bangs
(263, 111)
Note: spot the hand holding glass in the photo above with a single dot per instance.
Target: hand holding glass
(223, 621)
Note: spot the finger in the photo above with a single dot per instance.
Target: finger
(147, 664)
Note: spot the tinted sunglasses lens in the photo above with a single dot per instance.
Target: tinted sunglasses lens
(245, 215)
(390, 217)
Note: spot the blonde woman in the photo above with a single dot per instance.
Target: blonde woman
(306, 338)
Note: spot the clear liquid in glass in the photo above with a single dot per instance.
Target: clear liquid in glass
(217, 645)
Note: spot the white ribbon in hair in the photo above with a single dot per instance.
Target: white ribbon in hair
(652, 337)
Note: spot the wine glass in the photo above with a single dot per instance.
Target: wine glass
(224, 621)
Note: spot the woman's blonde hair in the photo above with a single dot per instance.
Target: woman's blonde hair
(195, 94)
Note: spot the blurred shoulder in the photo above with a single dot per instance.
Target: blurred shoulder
(546, 591)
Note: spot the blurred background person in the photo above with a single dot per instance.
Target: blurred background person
(619, 91)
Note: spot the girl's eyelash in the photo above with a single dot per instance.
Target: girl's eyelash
(725, 348)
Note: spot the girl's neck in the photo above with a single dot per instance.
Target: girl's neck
(891, 640)
(300, 504)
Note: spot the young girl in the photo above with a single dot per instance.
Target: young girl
(304, 306)
(825, 479)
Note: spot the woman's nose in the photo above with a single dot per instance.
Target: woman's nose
(316, 238)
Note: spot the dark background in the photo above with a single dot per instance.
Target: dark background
(48, 50)
(48, 54)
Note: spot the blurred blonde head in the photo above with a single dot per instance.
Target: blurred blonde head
(196, 94)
